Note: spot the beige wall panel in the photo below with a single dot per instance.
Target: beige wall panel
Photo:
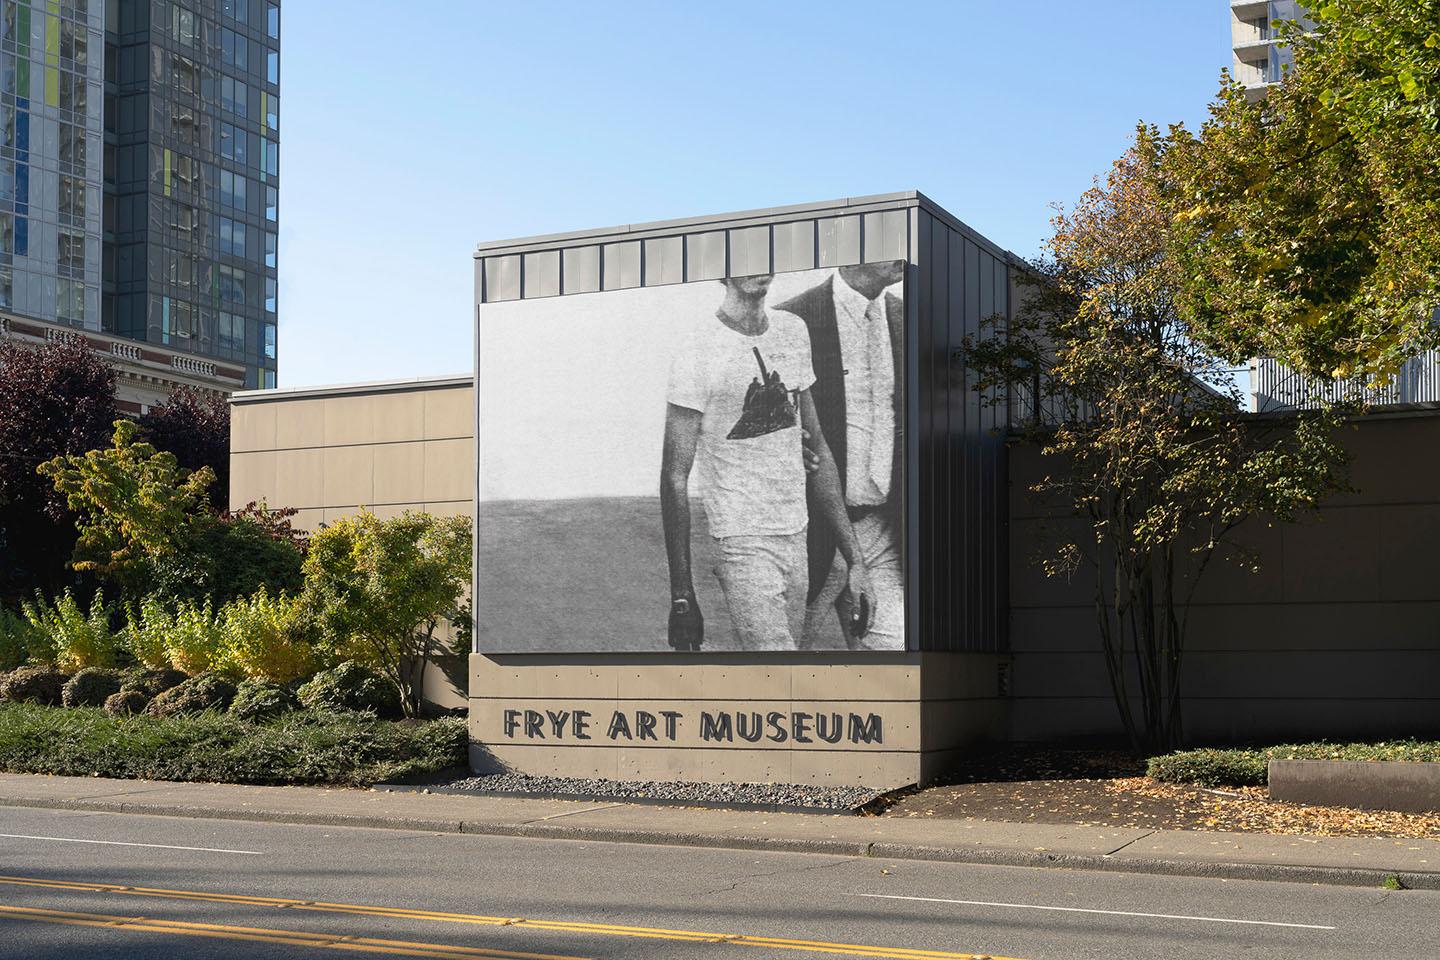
(350, 418)
(399, 472)
(884, 771)
(1314, 626)
(658, 681)
(660, 764)
(300, 478)
(308, 520)
(349, 475)
(1393, 461)
(1227, 581)
(746, 766)
(252, 426)
(900, 723)
(300, 424)
(1033, 540)
(886, 677)
(449, 413)
(946, 724)
(252, 477)
(399, 417)
(449, 470)
(499, 677)
(548, 761)
(755, 681)
(332, 514)
(450, 508)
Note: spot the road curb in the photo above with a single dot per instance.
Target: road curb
(1220, 870)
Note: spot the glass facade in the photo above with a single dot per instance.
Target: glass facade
(191, 177)
(51, 70)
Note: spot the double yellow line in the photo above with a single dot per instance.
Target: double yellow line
(420, 949)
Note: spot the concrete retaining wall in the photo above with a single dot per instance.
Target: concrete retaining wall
(1362, 784)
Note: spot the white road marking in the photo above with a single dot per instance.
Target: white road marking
(121, 843)
(1112, 913)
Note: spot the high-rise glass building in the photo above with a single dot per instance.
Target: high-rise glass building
(1259, 59)
(139, 185)
(192, 163)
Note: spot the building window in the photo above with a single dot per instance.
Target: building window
(269, 340)
(234, 49)
(272, 66)
(232, 189)
(70, 301)
(232, 237)
(232, 285)
(234, 96)
(235, 9)
(270, 295)
(270, 250)
(231, 333)
(232, 142)
(272, 204)
(271, 150)
(183, 73)
(183, 26)
(72, 201)
(70, 254)
(272, 20)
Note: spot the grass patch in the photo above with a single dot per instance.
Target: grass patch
(1242, 767)
(340, 749)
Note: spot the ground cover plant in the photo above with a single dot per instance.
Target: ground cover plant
(1248, 766)
(341, 749)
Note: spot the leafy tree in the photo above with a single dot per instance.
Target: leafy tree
(234, 555)
(57, 398)
(383, 587)
(1143, 428)
(1307, 223)
(195, 427)
(135, 507)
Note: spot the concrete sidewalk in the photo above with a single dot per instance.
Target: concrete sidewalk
(1251, 856)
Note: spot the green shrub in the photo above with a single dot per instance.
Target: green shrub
(90, 687)
(73, 639)
(17, 639)
(208, 691)
(267, 638)
(258, 700)
(37, 683)
(351, 686)
(128, 702)
(1239, 767)
(145, 633)
(345, 749)
(151, 683)
(192, 638)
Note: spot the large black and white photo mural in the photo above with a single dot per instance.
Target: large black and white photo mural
(704, 466)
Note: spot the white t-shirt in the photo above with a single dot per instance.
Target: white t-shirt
(753, 486)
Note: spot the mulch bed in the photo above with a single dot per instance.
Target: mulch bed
(1108, 788)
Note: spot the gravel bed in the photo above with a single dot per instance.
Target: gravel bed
(770, 795)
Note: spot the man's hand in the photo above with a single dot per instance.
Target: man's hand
(687, 626)
(862, 601)
(812, 459)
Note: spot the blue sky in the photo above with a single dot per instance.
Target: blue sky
(412, 131)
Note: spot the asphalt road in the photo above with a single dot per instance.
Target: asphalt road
(223, 889)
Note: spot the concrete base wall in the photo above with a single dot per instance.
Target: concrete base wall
(1360, 784)
(925, 708)
(1337, 635)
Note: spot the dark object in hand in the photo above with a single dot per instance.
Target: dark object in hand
(860, 617)
(767, 409)
(687, 626)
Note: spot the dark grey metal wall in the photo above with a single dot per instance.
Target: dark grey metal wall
(958, 488)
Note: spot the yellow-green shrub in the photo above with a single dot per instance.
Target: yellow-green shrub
(192, 641)
(266, 638)
(72, 638)
(145, 633)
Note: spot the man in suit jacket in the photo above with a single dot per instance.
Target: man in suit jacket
(856, 323)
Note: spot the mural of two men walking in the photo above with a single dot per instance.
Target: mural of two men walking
(706, 466)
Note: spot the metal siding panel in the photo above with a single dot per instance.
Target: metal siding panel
(973, 428)
(663, 261)
(942, 508)
(886, 235)
(750, 251)
(795, 246)
(961, 398)
(621, 265)
(541, 274)
(912, 505)
(989, 462)
(502, 278)
(580, 271)
(839, 241)
(924, 431)
(705, 255)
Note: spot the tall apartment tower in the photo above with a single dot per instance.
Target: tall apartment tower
(1259, 59)
(139, 186)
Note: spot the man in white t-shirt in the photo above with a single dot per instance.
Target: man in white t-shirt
(738, 400)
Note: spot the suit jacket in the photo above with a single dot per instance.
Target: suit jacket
(816, 307)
